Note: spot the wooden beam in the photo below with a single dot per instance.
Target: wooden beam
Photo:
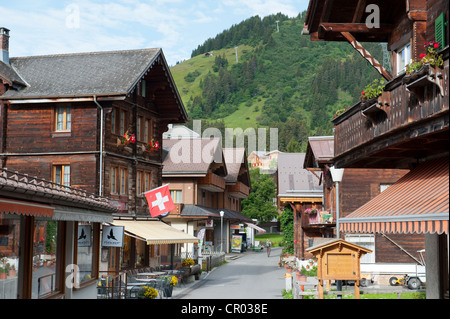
(355, 28)
(359, 11)
(366, 55)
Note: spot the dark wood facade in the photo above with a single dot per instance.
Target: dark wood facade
(30, 142)
(409, 123)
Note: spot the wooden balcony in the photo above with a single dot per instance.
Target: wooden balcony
(319, 220)
(409, 122)
(177, 211)
(212, 183)
(239, 190)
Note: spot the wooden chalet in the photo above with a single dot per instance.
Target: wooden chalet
(299, 190)
(358, 186)
(45, 228)
(406, 127)
(204, 180)
(92, 121)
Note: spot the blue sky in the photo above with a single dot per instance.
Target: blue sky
(177, 26)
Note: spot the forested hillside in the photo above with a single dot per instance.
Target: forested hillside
(281, 79)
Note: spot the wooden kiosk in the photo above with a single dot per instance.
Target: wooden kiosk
(338, 260)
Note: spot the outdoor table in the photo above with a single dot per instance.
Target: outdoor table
(151, 274)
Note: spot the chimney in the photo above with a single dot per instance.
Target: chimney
(4, 45)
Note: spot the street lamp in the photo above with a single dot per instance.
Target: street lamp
(221, 230)
(336, 175)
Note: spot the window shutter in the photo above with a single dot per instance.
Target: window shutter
(439, 30)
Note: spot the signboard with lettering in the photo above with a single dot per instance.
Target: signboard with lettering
(112, 236)
(84, 236)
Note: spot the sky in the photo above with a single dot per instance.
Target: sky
(40, 27)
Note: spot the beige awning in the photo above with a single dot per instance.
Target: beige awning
(155, 232)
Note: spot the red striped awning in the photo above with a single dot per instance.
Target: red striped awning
(12, 206)
(416, 203)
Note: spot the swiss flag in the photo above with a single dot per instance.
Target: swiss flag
(159, 201)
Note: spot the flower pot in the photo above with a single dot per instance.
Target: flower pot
(3, 275)
(302, 278)
(12, 273)
(289, 270)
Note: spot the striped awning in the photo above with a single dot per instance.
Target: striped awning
(257, 228)
(416, 203)
(13, 206)
(155, 232)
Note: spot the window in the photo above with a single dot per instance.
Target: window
(364, 240)
(9, 255)
(61, 174)
(139, 128)
(63, 118)
(146, 131)
(119, 180)
(177, 196)
(123, 181)
(45, 277)
(383, 187)
(403, 58)
(142, 182)
(122, 123)
(119, 121)
(144, 88)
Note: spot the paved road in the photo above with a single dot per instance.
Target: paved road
(252, 276)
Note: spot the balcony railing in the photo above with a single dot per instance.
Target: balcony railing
(406, 102)
(319, 219)
(239, 190)
(212, 182)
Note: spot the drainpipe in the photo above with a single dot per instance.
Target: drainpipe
(100, 190)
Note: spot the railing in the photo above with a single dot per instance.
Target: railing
(112, 285)
(405, 102)
(212, 181)
(322, 218)
(239, 190)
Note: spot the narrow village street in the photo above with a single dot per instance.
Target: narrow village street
(252, 275)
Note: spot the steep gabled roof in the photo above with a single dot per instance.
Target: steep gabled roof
(82, 74)
(8, 74)
(191, 156)
(236, 164)
(320, 150)
(293, 179)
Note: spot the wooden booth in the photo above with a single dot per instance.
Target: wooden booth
(338, 260)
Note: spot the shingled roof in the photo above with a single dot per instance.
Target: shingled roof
(191, 156)
(82, 74)
(293, 179)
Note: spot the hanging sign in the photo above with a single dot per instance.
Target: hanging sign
(84, 235)
(112, 236)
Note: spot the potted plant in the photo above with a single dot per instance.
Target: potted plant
(12, 271)
(372, 90)
(3, 268)
(431, 58)
(148, 293)
(126, 139)
(301, 275)
(187, 263)
(151, 146)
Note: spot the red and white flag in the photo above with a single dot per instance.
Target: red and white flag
(159, 201)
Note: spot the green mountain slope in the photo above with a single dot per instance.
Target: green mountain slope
(281, 79)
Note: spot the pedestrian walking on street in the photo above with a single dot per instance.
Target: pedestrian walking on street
(268, 246)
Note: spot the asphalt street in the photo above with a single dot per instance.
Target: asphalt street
(251, 276)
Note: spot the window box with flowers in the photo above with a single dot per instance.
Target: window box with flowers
(150, 146)
(126, 139)
(426, 71)
(313, 215)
